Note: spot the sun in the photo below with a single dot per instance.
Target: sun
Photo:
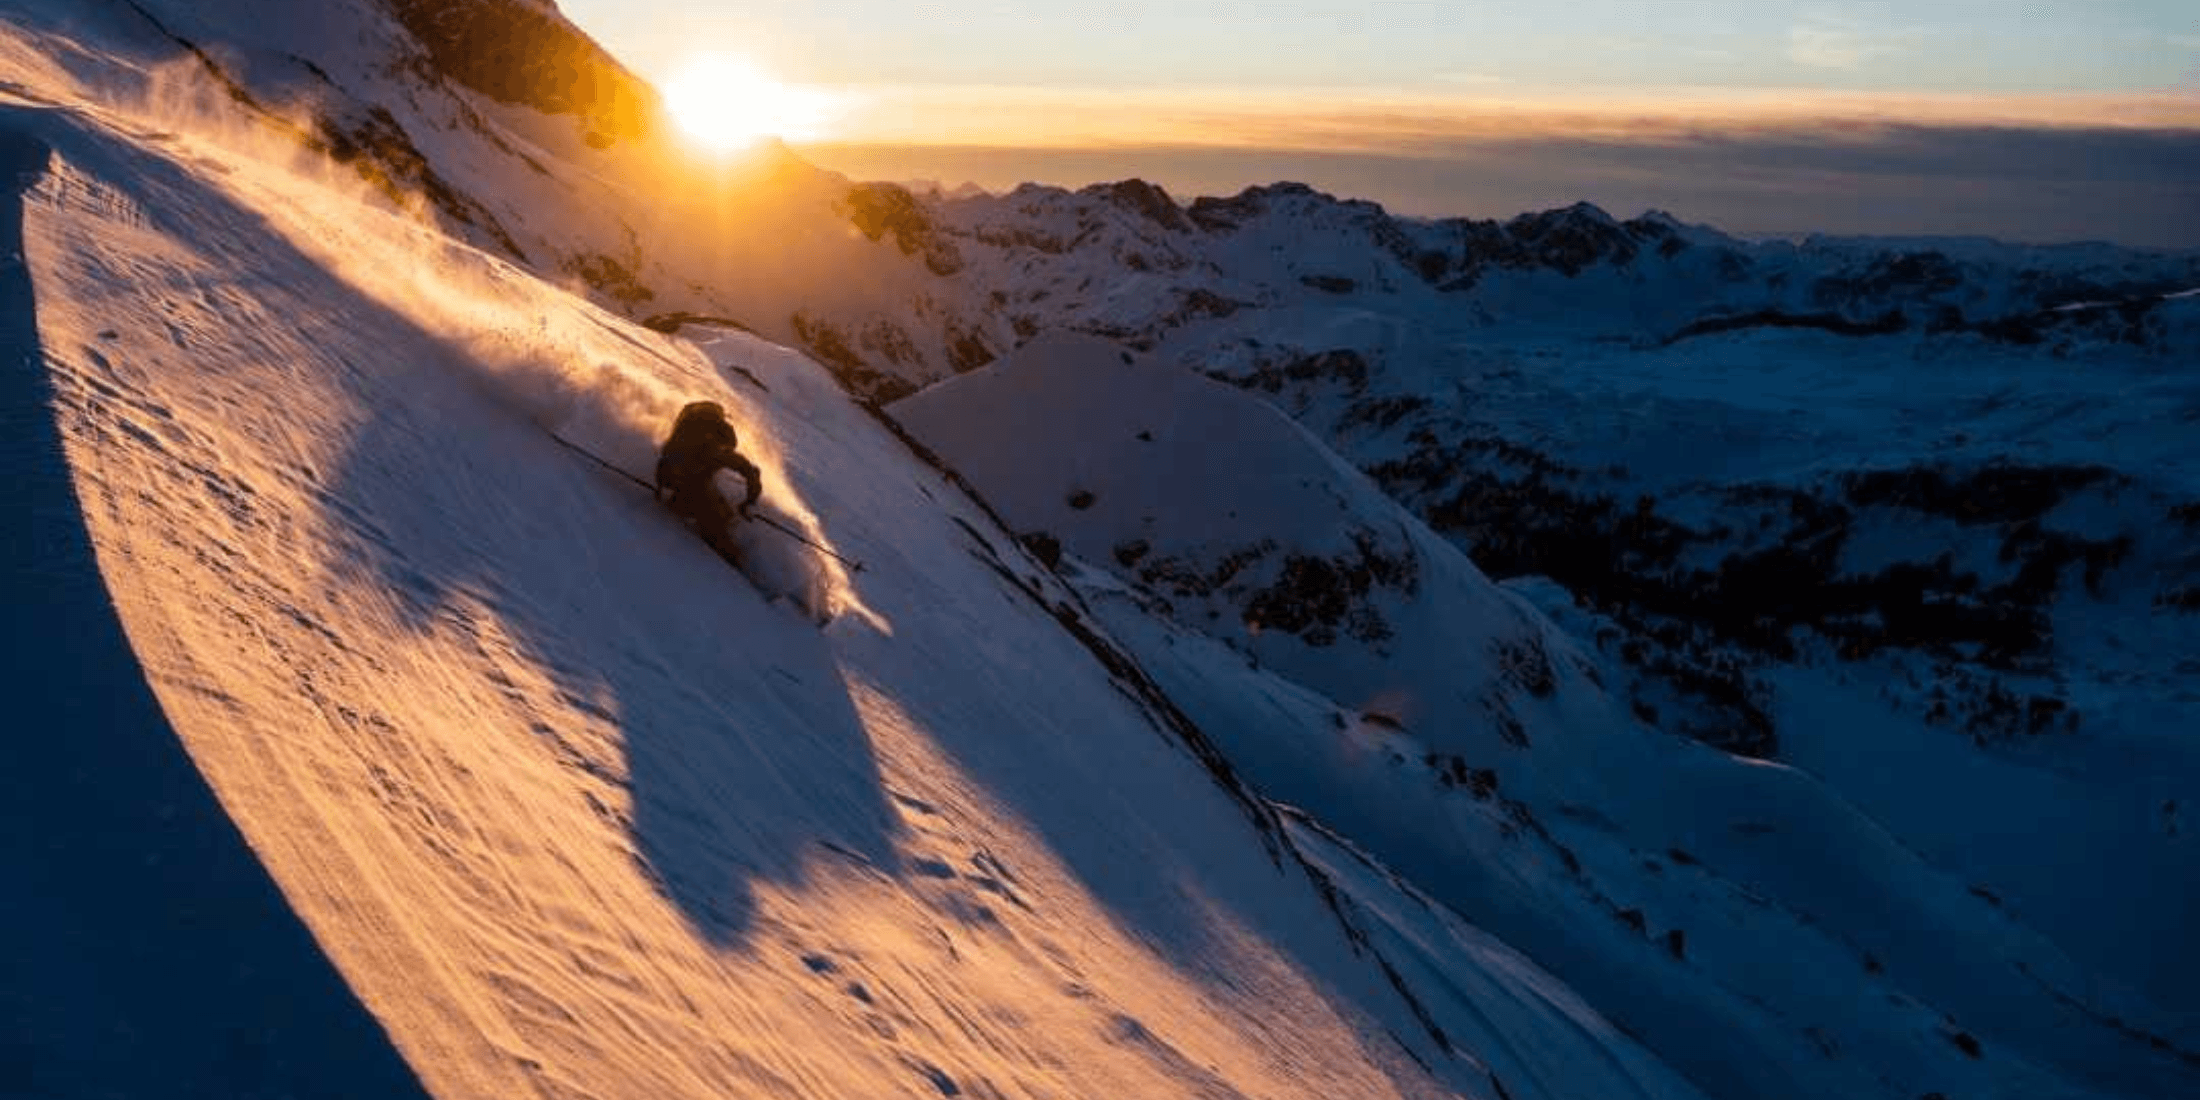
(727, 104)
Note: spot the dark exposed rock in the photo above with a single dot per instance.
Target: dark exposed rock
(1912, 275)
(830, 347)
(1044, 547)
(1510, 729)
(1147, 200)
(1996, 493)
(526, 54)
(2132, 322)
(886, 339)
(1524, 664)
(881, 210)
(1329, 284)
(1570, 240)
(1221, 215)
(1382, 412)
(1889, 323)
(1198, 303)
(1340, 365)
(671, 323)
(1185, 579)
(1016, 237)
(1318, 599)
(610, 278)
(966, 350)
(377, 147)
(1315, 597)
(1702, 625)
(1192, 305)
(826, 344)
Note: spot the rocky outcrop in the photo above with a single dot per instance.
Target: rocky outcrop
(376, 146)
(527, 54)
(1146, 200)
(1568, 241)
(883, 210)
(1700, 608)
(831, 347)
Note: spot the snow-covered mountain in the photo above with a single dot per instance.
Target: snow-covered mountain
(1173, 738)
(1904, 514)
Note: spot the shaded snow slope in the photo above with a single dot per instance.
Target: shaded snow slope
(573, 808)
(1760, 933)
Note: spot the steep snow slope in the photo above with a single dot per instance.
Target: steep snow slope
(1761, 934)
(577, 811)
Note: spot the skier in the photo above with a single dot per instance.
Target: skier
(703, 443)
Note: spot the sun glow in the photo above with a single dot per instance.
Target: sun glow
(727, 104)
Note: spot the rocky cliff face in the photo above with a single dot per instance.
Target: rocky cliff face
(523, 52)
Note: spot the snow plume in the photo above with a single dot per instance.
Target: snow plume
(559, 363)
(596, 382)
(560, 368)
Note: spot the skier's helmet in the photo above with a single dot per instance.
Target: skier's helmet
(706, 415)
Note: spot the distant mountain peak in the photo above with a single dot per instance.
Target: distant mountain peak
(1148, 200)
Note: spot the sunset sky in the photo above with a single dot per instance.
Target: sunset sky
(2042, 120)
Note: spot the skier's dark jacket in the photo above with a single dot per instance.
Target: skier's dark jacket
(702, 443)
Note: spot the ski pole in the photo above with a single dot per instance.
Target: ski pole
(804, 540)
(591, 456)
(765, 520)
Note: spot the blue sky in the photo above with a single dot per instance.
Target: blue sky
(1934, 45)
(2026, 119)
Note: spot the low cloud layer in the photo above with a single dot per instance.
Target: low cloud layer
(2125, 170)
